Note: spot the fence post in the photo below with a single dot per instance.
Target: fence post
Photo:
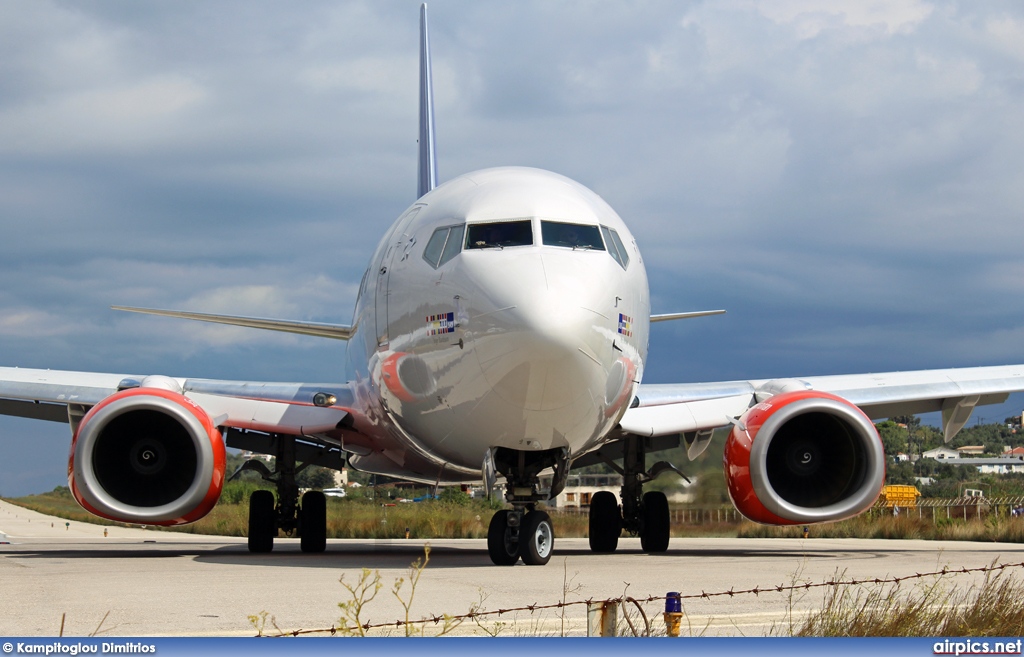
(602, 618)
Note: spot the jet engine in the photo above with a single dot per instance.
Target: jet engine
(803, 457)
(407, 376)
(147, 455)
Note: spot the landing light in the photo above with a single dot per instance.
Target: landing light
(323, 399)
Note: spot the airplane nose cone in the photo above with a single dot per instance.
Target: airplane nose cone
(542, 345)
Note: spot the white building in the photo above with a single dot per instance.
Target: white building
(580, 489)
(941, 453)
(991, 465)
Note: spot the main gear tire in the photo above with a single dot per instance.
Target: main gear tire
(605, 522)
(313, 522)
(654, 534)
(262, 521)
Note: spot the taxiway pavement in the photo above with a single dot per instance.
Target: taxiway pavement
(137, 582)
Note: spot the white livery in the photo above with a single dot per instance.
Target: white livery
(500, 331)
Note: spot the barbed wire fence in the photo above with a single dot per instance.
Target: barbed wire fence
(476, 614)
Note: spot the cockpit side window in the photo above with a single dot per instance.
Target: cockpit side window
(454, 244)
(575, 236)
(499, 234)
(435, 246)
(615, 246)
(443, 245)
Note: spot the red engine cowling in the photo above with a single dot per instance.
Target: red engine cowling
(147, 456)
(803, 457)
(407, 377)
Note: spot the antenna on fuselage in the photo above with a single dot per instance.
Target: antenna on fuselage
(428, 158)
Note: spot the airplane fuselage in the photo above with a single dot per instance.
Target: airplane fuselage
(508, 308)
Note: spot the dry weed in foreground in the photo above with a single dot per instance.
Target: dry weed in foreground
(934, 609)
(361, 593)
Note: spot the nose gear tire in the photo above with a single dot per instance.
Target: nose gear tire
(536, 538)
(500, 546)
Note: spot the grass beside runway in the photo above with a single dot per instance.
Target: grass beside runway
(1001, 528)
(356, 518)
(365, 518)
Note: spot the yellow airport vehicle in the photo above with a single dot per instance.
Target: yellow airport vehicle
(899, 495)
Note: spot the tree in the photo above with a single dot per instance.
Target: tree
(454, 495)
(900, 473)
(315, 477)
(894, 437)
(912, 422)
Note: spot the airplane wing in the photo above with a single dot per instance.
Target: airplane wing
(297, 409)
(662, 409)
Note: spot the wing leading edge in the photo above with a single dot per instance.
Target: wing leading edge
(317, 329)
(662, 409)
(296, 409)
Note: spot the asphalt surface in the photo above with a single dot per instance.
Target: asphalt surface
(136, 582)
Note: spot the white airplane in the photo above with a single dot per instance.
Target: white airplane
(501, 329)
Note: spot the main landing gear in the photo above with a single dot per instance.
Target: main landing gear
(524, 532)
(643, 514)
(309, 520)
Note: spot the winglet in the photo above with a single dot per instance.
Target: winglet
(428, 158)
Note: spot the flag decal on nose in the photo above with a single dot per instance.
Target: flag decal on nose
(626, 325)
(441, 324)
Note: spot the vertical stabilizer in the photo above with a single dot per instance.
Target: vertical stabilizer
(428, 158)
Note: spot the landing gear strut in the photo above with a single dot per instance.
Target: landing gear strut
(642, 514)
(309, 520)
(524, 532)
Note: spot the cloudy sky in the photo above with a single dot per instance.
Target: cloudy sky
(846, 178)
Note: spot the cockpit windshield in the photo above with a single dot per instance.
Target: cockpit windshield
(499, 234)
(575, 236)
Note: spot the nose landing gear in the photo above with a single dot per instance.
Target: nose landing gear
(524, 532)
(513, 535)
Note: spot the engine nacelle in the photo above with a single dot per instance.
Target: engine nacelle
(147, 456)
(803, 457)
(407, 376)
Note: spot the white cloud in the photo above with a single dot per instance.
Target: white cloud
(1007, 33)
(34, 323)
(390, 78)
(812, 17)
(121, 119)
